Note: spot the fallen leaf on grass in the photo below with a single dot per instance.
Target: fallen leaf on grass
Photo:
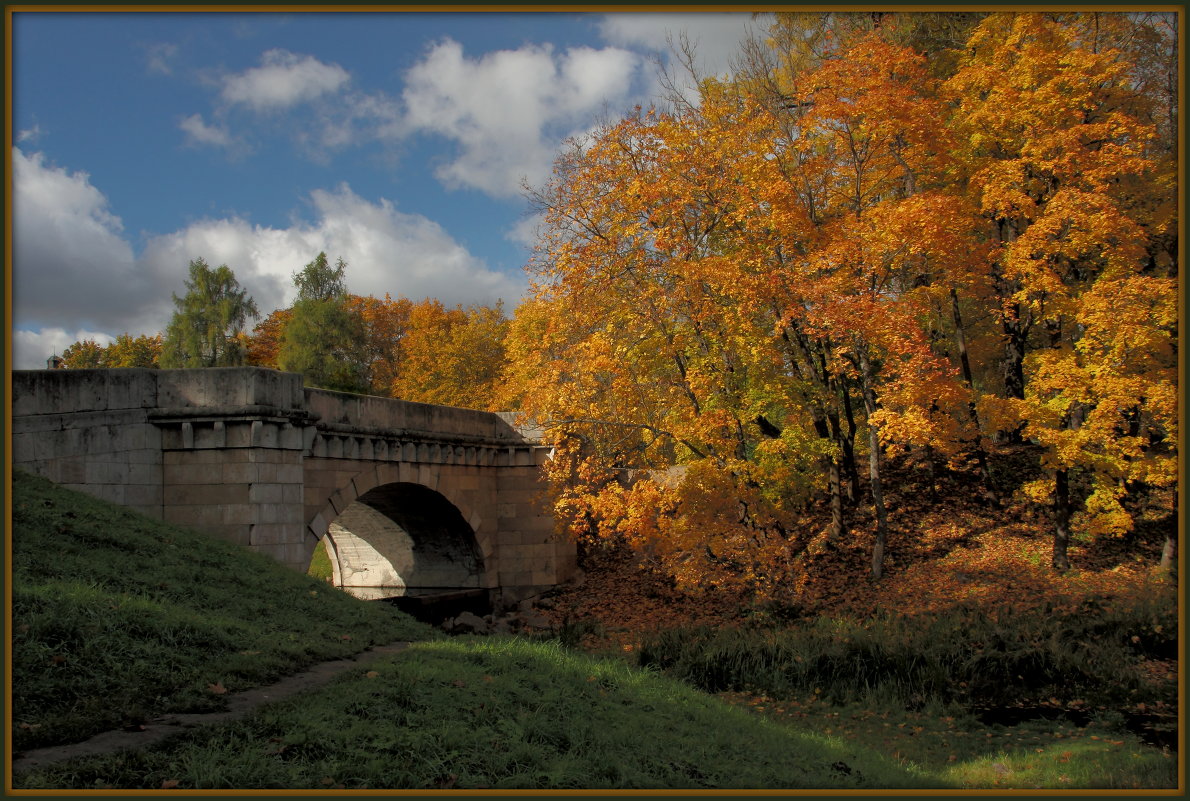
(459, 683)
(169, 784)
(371, 674)
(217, 688)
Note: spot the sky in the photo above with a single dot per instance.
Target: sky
(400, 142)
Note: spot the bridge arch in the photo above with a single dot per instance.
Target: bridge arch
(407, 528)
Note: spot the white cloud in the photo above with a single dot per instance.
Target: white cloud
(159, 58)
(284, 79)
(72, 266)
(525, 232)
(74, 271)
(31, 349)
(387, 251)
(199, 133)
(716, 37)
(30, 135)
(507, 110)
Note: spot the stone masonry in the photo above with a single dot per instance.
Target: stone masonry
(250, 455)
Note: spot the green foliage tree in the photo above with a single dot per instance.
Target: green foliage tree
(206, 327)
(325, 339)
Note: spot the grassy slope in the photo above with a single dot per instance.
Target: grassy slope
(118, 617)
(497, 713)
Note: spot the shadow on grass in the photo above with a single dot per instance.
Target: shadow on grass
(495, 713)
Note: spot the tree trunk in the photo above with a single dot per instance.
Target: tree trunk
(1169, 551)
(874, 465)
(1063, 507)
(1062, 510)
(981, 456)
(830, 464)
(848, 442)
(1014, 357)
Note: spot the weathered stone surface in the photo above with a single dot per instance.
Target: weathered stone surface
(251, 455)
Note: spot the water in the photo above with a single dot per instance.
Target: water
(435, 604)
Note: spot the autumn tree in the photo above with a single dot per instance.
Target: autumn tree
(451, 356)
(1062, 164)
(852, 258)
(207, 321)
(83, 354)
(648, 358)
(264, 343)
(386, 324)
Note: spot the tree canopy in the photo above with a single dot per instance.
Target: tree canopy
(206, 327)
(859, 251)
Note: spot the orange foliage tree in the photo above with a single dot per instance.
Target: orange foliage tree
(452, 356)
(1063, 165)
(734, 301)
(127, 351)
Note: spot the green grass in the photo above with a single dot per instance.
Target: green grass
(118, 617)
(975, 657)
(956, 747)
(497, 713)
(320, 563)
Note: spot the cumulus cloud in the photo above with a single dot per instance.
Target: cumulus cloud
(715, 37)
(282, 80)
(334, 116)
(386, 250)
(199, 133)
(72, 265)
(30, 134)
(507, 110)
(74, 271)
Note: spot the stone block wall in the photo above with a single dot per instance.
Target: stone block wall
(532, 556)
(90, 431)
(251, 455)
(232, 444)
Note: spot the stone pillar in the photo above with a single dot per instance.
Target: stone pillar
(532, 557)
(235, 470)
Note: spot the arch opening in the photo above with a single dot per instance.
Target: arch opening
(401, 540)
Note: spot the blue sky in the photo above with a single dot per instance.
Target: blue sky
(397, 141)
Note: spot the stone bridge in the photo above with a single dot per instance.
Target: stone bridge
(408, 496)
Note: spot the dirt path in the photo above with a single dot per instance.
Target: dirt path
(238, 705)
